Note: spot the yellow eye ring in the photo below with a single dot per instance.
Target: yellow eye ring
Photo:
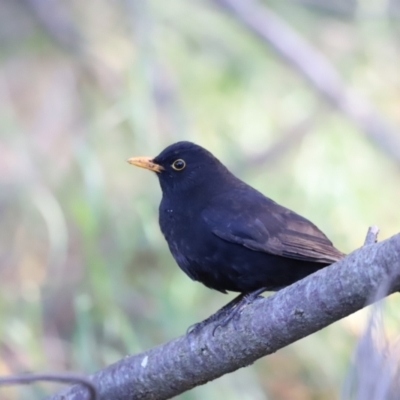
(178, 165)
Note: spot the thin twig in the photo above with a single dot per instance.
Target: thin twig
(372, 235)
(27, 379)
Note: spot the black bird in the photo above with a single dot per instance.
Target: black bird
(226, 234)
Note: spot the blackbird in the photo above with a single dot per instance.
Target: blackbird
(226, 234)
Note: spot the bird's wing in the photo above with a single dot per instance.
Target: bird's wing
(268, 227)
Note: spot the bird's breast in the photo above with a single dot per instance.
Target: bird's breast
(178, 228)
(175, 224)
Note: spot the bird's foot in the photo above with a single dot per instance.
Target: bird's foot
(234, 313)
(230, 312)
(195, 328)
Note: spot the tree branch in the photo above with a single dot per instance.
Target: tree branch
(263, 328)
(316, 68)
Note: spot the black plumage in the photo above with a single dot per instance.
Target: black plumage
(226, 234)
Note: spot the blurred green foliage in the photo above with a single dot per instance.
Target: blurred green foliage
(85, 274)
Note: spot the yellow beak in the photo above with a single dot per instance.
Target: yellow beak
(145, 162)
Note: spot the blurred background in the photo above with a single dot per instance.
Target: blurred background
(85, 274)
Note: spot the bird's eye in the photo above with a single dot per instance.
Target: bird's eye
(178, 165)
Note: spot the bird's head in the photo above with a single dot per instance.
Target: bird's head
(184, 167)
